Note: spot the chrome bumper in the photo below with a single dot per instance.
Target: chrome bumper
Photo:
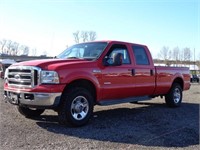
(32, 99)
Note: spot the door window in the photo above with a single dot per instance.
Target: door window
(140, 54)
(117, 48)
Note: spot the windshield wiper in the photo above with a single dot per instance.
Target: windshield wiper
(83, 58)
(73, 58)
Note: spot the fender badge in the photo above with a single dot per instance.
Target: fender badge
(107, 83)
(96, 71)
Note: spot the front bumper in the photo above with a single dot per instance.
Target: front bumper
(33, 99)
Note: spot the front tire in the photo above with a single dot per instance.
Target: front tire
(76, 107)
(174, 97)
(29, 113)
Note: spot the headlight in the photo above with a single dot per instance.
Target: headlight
(49, 77)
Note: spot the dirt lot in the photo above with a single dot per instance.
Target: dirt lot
(146, 125)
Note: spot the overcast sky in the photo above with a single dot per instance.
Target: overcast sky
(47, 25)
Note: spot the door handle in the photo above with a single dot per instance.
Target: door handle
(151, 72)
(133, 72)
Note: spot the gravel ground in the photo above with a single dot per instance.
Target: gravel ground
(146, 125)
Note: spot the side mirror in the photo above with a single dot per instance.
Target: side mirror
(106, 61)
(115, 61)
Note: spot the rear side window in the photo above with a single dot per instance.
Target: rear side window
(140, 54)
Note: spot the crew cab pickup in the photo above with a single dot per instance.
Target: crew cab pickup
(88, 74)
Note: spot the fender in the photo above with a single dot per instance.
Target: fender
(183, 79)
(177, 77)
(94, 78)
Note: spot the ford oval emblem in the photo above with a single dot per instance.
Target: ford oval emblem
(17, 76)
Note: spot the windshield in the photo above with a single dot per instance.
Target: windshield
(84, 51)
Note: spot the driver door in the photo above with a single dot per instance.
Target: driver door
(117, 80)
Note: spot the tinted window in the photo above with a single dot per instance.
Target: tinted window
(141, 57)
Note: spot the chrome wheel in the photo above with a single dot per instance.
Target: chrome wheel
(177, 95)
(76, 107)
(174, 97)
(79, 107)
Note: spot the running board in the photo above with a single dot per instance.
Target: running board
(123, 100)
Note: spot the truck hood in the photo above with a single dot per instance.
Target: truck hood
(46, 63)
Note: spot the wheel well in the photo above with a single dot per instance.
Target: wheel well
(84, 84)
(179, 81)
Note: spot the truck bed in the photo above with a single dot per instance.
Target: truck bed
(166, 75)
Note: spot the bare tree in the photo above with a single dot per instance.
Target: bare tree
(9, 47)
(3, 44)
(175, 53)
(26, 50)
(165, 53)
(15, 48)
(34, 51)
(92, 35)
(76, 36)
(181, 55)
(84, 36)
(186, 54)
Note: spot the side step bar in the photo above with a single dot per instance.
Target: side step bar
(123, 100)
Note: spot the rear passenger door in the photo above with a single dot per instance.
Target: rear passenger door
(144, 71)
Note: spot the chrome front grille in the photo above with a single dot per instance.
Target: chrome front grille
(23, 76)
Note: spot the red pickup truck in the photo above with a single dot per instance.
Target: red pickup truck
(86, 74)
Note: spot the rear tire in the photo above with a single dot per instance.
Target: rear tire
(174, 97)
(76, 107)
(29, 113)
